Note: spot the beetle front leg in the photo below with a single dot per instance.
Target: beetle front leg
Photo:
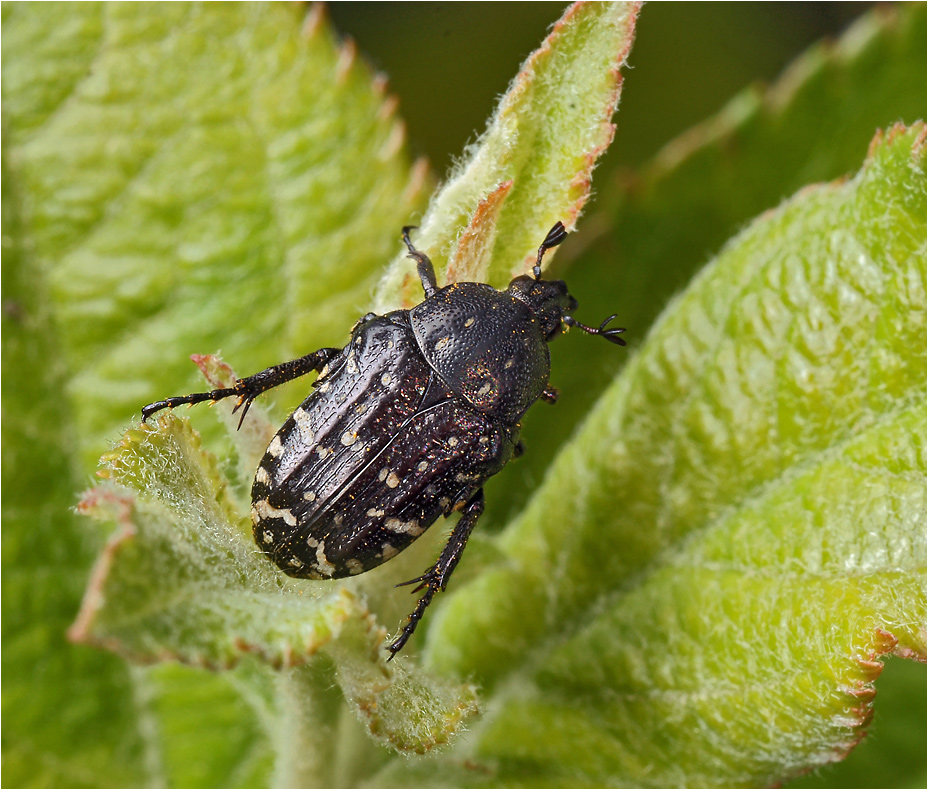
(437, 576)
(248, 389)
(423, 265)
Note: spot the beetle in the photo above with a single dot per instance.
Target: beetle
(403, 425)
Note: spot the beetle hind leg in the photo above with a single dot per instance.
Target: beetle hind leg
(436, 578)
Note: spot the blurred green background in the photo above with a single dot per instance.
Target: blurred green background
(688, 61)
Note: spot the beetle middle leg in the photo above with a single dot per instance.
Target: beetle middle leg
(435, 579)
(248, 389)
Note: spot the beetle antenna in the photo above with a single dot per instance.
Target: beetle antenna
(612, 335)
(555, 236)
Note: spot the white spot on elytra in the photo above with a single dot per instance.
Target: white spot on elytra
(453, 441)
(352, 364)
(354, 567)
(386, 379)
(324, 452)
(403, 527)
(423, 465)
(389, 551)
(303, 423)
(264, 509)
(374, 513)
(442, 343)
(261, 476)
(309, 496)
(383, 474)
(392, 480)
(275, 448)
(484, 389)
(509, 363)
(323, 565)
(469, 322)
(268, 537)
(295, 562)
(349, 438)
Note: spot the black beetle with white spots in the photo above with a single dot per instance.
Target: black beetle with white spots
(403, 425)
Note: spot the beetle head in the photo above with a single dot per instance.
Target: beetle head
(547, 299)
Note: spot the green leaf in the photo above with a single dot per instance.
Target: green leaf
(182, 177)
(655, 228)
(209, 729)
(894, 738)
(52, 736)
(180, 577)
(533, 165)
(197, 177)
(701, 589)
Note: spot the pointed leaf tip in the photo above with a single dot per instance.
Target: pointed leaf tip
(545, 137)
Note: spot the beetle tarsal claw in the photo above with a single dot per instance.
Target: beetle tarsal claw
(422, 581)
